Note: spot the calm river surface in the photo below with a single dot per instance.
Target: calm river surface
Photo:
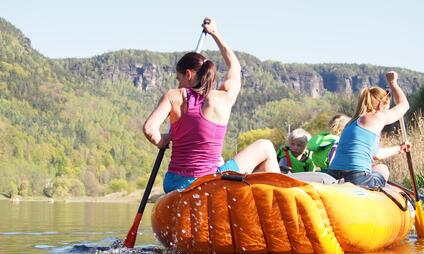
(41, 227)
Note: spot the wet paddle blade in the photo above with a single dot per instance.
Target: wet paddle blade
(419, 217)
(132, 233)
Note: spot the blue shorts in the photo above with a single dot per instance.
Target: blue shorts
(361, 178)
(174, 181)
(230, 165)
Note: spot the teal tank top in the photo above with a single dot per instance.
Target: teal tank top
(356, 149)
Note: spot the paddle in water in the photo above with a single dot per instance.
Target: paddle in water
(132, 233)
(419, 217)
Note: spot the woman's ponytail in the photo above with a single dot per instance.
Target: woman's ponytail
(361, 106)
(205, 71)
(368, 101)
(206, 77)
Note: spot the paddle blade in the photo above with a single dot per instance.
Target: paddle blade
(419, 217)
(132, 234)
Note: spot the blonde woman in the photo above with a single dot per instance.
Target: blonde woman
(359, 144)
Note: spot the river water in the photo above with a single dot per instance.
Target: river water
(42, 227)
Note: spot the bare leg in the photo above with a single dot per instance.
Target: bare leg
(259, 156)
(382, 169)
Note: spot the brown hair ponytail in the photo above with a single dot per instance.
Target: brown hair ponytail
(206, 77)
(205, 71)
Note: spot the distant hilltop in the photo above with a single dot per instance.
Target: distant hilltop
(150, 70)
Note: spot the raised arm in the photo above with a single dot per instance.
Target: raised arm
(395, 113)
(232, 80)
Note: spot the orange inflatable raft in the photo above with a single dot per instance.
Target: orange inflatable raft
(275, 213)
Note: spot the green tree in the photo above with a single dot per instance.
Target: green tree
(118, 185)
(276, 136)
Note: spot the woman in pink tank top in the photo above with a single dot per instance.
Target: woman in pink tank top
(199, 115)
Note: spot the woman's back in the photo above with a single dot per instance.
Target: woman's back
(356, 149)
(196, 141)
(214, 108)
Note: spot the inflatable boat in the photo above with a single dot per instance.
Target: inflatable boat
(276, 213)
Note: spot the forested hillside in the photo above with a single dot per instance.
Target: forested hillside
(74, 126)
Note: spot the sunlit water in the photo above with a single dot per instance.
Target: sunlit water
(41, 227)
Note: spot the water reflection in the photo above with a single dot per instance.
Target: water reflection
(35, 227)
(409, 245)
(42, 227)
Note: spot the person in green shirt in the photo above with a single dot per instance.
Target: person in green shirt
(295, 157)
(323, 145)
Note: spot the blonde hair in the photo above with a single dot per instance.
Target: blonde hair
(299, 134)
(368, 101)
(337, 123)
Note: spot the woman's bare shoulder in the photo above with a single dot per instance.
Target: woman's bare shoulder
(175, 92)
(217, 95)
(374, 121)
(175, 95)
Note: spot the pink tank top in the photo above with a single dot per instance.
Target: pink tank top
(196, 142)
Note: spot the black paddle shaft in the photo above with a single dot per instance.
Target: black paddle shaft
(151, 181)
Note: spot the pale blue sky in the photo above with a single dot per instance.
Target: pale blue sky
(381, 32)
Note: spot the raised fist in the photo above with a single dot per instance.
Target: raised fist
(209, 25)
(391, 76)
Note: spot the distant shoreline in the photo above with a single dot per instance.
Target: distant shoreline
(117, 197)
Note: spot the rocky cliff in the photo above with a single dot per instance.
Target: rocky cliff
(149, 70)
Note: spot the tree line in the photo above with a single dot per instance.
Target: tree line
(74, 126)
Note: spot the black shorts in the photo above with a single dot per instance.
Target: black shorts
(361, 178)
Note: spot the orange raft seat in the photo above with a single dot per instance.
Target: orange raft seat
(275, 213)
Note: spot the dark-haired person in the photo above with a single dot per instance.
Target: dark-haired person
(199, 115)
(359, 144)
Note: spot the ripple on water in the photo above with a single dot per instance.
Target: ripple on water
(29, 233)
(43, 246)
(104, 246)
